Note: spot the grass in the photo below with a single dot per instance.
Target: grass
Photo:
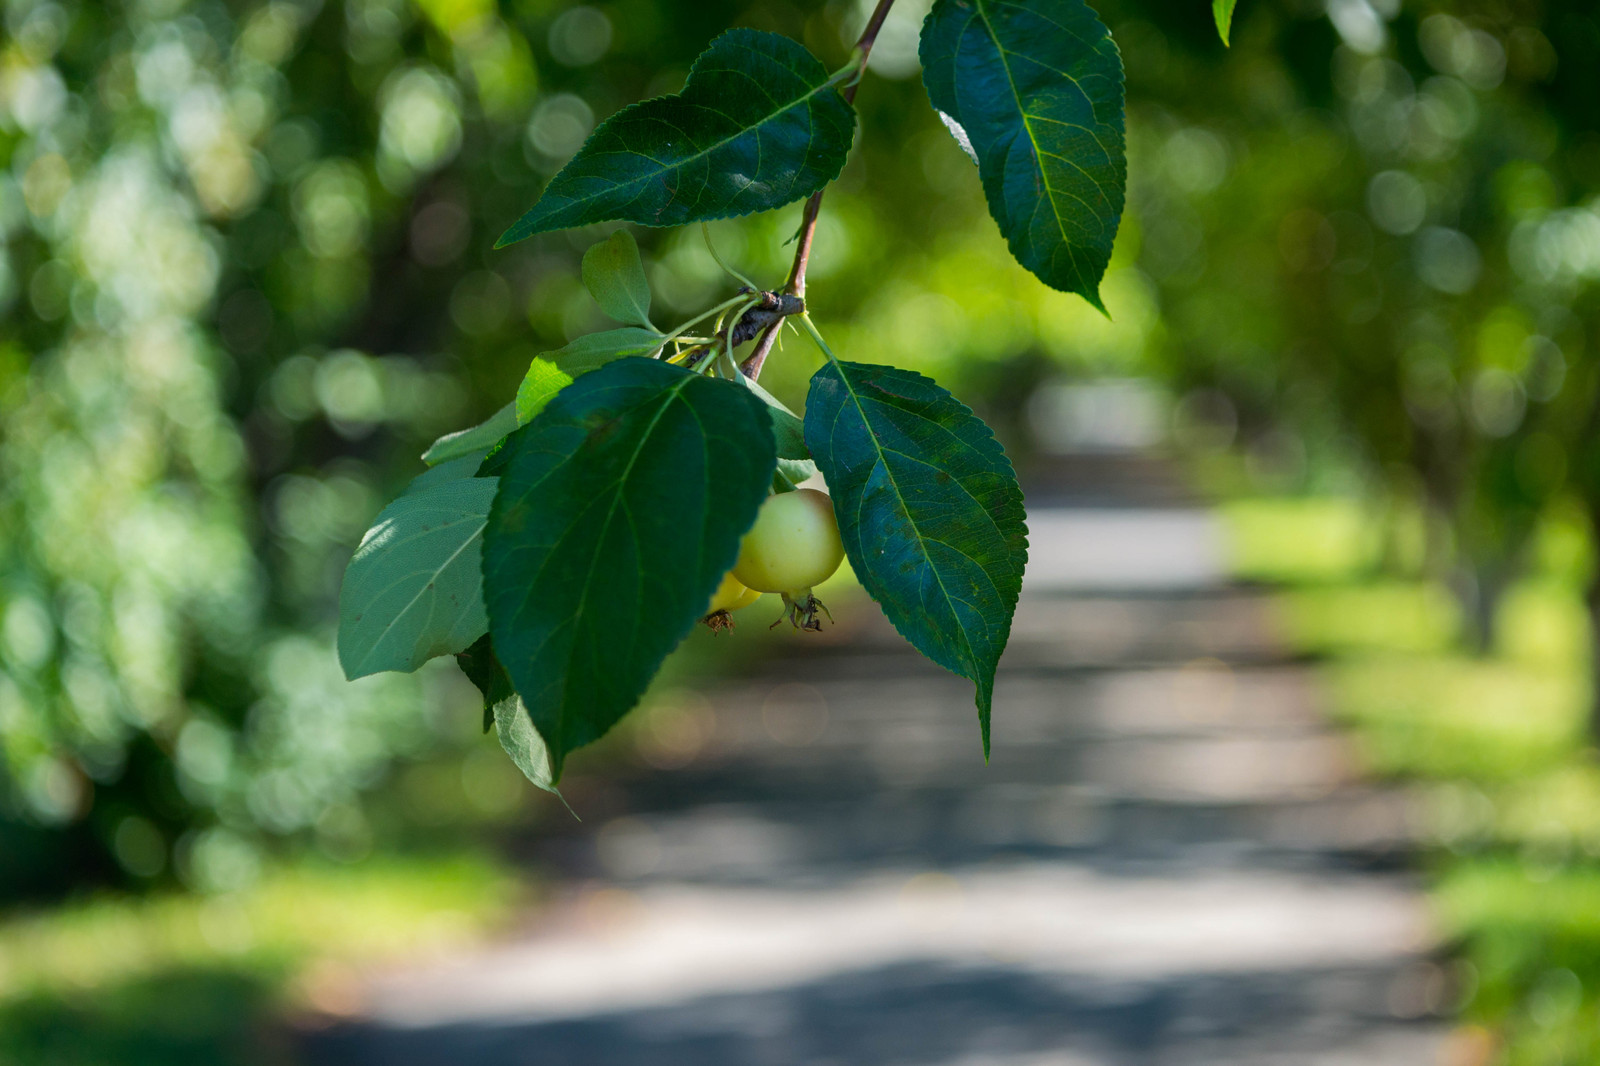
(1499, 743)
(187, 980)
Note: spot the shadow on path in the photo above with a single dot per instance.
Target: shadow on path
(1169, 859)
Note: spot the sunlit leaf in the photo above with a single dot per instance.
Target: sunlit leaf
(621, 508)
(1037, 87)
(929, 511)
(539, 386)
(1222, 11)
(757, 126)
(614, 275)
(479, 438)
(413, 589)
(503, 712)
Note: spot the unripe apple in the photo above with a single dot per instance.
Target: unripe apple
(793, 545)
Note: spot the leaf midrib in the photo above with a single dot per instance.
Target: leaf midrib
(666, 399)
(1002, 52)
(910, 519)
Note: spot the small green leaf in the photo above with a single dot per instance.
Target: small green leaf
(757, 126)
(621, 507)
(539, 386)
(1036, 85)
(503, 712)
(614, 275)
(794, 458)
(594, 350)
(479, 438)
(929, 511)
(413, 590)
(1222, 10)
(523, 743)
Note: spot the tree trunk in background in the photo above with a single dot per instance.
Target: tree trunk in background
(1480, 589)
(1593, 600)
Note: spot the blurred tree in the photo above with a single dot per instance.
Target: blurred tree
(246, 276)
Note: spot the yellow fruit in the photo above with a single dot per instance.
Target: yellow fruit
(793, 545)
(731, 595)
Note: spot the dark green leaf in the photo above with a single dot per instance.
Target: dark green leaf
(595, 350)
(478, 662)
(757, 126)
(929, 511)
(621, 508)
(614, 275)
(1037, 87)
(539, 386)
(503, 712)
(479, 438)
(1222, 11)
(413, 588)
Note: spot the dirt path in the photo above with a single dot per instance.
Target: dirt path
(1168, 860)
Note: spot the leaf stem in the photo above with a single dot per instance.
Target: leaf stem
(805, 320)
(705, 230)
(697, 319)
(796, 284)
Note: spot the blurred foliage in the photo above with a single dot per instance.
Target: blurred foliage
(1497, 752)
(189, 979)
(246, 277)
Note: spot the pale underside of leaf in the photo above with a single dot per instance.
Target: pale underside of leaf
(522, 742)
(412, 590)
(478, 438)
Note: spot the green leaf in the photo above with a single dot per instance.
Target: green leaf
(539, 386)
(449, 470)
(1037, 87)
(794, 458)
(483, 669)
(479, 438)
(503, 712)
(620, 509)
(614, 275)
(523, 743)
(757, 126)
(1222, 11)
(413, 589)
(595, 350)
(929, 511)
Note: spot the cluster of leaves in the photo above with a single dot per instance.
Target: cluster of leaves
(567, 545)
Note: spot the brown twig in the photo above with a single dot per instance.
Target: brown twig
(768, 312)
(796, 284)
